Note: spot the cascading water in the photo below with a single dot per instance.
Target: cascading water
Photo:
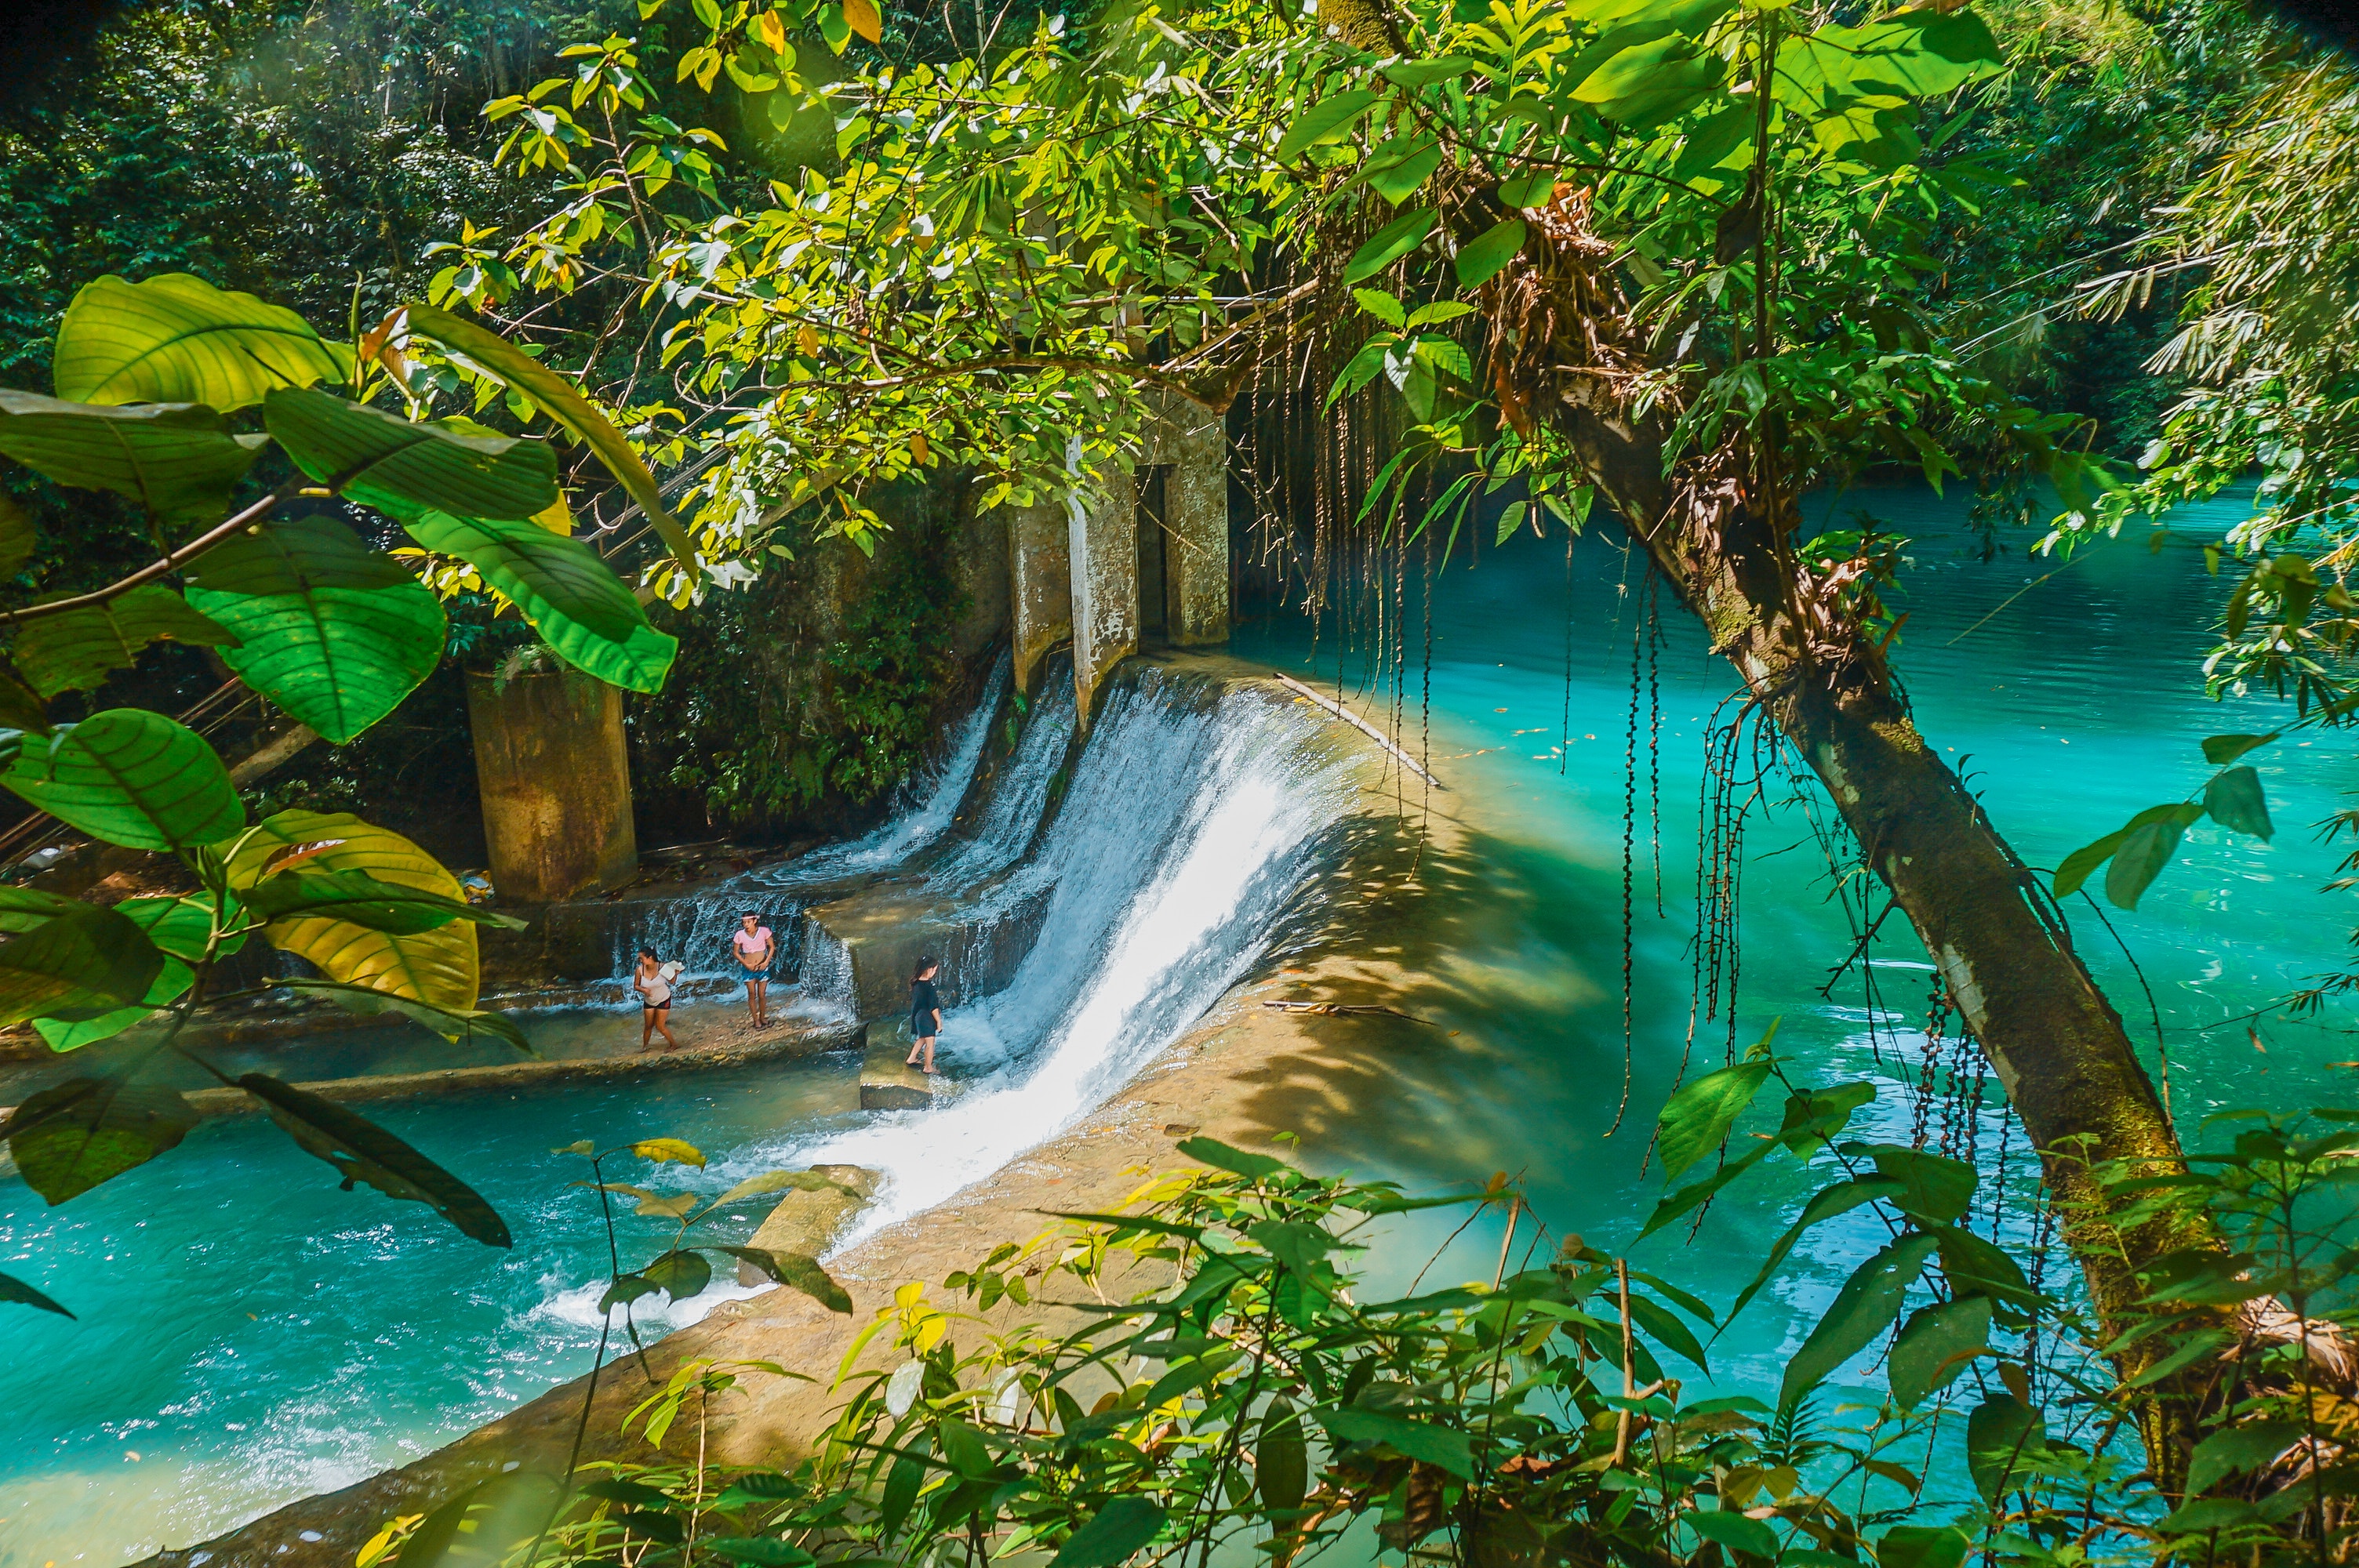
(1188, 827)
(934, 801)
(1011, 815)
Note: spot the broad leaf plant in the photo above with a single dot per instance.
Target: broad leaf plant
(176, 394)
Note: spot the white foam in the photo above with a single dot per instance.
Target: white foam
(1186, 831)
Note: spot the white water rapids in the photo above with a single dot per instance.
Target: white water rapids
(1189, 822)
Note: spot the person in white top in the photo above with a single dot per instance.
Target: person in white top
(756, 947)
(653, 981)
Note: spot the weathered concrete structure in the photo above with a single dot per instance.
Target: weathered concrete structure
(1133, 560)
(1104, 530)
(555, 779)
(1040, 586)
(1184, 540)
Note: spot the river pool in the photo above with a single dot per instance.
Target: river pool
(249, 1334)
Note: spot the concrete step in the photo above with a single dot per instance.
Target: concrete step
(887, 1083)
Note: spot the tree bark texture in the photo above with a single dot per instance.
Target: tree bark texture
(1563, 355)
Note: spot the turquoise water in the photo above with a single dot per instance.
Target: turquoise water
(248, 1334)
(2073, 707)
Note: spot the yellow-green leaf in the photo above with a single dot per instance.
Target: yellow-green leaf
(562, 402)
(176, 339)
(438, 966)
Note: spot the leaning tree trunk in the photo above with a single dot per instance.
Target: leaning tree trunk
(1561, 350)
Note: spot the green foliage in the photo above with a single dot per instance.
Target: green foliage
(335, 633)
(1258, 1391)
(2139, 850)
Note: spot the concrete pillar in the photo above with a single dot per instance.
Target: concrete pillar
(555, 782)
(1102, 520)
(1193, 442)
(1040, 586)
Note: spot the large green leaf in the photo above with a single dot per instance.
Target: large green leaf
(1923, 1546)
(1402, 167)
(2081, 862)
(1329, 120)
(406, 466)
(2235, 800)
(1919, 53)
(77, 965)
(1841, 1198)
(2140, 858)
(1651, 83)
(1936, 1344)
(576, 604)
(1113, 1535)
(1281, 1461)
(481, 1526)
(69, 1139)
(362, 1151)
(1737, 1531)
(2232, 1449)
(173, 459)
(360, 899)
(24, 908)
(438, 966)
(1699, 1115)
(295, 554)
(1862, 1309)
(1446, 1446)
(77, 651)
(180, 925)
(562, 402)
(2002, 1432)
(1934, 1188)
(176, 339)
(1482, 257)
(172, 983)
(132, 778)
(338, 659)
(680, 1274)
(1389, 244)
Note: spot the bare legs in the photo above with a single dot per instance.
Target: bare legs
(653, 1019)
(926, 1045)
(757, 1000)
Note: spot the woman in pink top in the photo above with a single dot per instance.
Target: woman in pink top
(755, 947)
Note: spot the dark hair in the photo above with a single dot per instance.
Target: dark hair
(751, 914)
(647, 952)
(919, 972)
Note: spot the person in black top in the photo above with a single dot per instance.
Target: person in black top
(925, 1014)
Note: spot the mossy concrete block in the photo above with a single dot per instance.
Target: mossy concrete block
(1103, 532)
(887, 1082)
(807, 1223)
(887, 928)
(1040, 586)
(555, 780)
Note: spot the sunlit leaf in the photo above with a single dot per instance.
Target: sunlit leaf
(404, 467)
(131, 777)
(572, 599)
(175, 338)
(563, 403)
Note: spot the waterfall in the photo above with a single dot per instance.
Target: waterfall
(931, 800)
(1011, 815)
(1188, 828)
